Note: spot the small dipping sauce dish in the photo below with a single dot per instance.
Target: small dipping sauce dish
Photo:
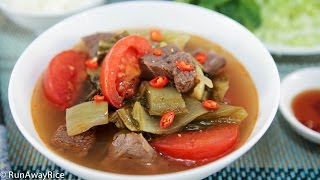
(300, 102)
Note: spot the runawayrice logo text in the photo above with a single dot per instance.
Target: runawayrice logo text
(31, 175)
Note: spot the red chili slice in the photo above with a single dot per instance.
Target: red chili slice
(210, 104)
(166, 120)
(183, 66)
(201, 57)
(98, 98)
(159, 81)
(156, 35)
(92, 63)
(157, 52)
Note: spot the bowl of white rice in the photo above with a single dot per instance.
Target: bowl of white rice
(38, 15)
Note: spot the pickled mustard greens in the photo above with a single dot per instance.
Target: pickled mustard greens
(114, 118)
(124, 115)
(104, 46)
(82, 117)
(163, 100)
(94, 82)
(226, 114)
(220, 87)
(236, 113)
(179, 39)
(150, 124)
(169, 37)
(138, 118)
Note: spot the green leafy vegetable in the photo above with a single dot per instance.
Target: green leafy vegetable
(226, 114)
(177, 38)
(276, 22)
(213, 4)
(290, 23)
(169, 37)
(105, 46)
(94, 77)
(236, 113)
(150, 124)
(114, 118)
(246, 12)
(82, 117)
(125, 115)
(220, 87)
(203, 124)
(163, 100)
(103, 49)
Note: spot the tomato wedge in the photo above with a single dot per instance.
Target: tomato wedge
(120, 71)
(64, 76)
(201, 147)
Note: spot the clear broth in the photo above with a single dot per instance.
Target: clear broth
(47, 118)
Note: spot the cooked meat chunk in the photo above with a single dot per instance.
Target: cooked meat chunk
(79, 144)
(153, 66)
(214, 63)
(131, 146)
(184, 81)
(92, 41)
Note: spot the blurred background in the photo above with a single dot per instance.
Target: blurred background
(290, 29)
(285, 23)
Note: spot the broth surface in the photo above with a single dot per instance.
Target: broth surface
(242, 92)
(306, 107)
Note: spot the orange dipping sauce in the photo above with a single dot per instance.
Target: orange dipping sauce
(306, 108)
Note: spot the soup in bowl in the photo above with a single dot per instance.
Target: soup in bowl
(141, 97)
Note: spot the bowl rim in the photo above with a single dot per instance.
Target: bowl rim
(67, 164)
(286, 109)
(291, 50)
(11, 10)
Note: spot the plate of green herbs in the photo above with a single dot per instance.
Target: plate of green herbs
(289, 27)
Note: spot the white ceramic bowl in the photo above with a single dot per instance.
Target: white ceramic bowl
(40, 21)
(292, 85)
(168, 15)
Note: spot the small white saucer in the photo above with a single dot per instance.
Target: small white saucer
(292, 85)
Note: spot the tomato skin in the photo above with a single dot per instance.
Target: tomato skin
(204, 146)
(64, 76)
(125, 53)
